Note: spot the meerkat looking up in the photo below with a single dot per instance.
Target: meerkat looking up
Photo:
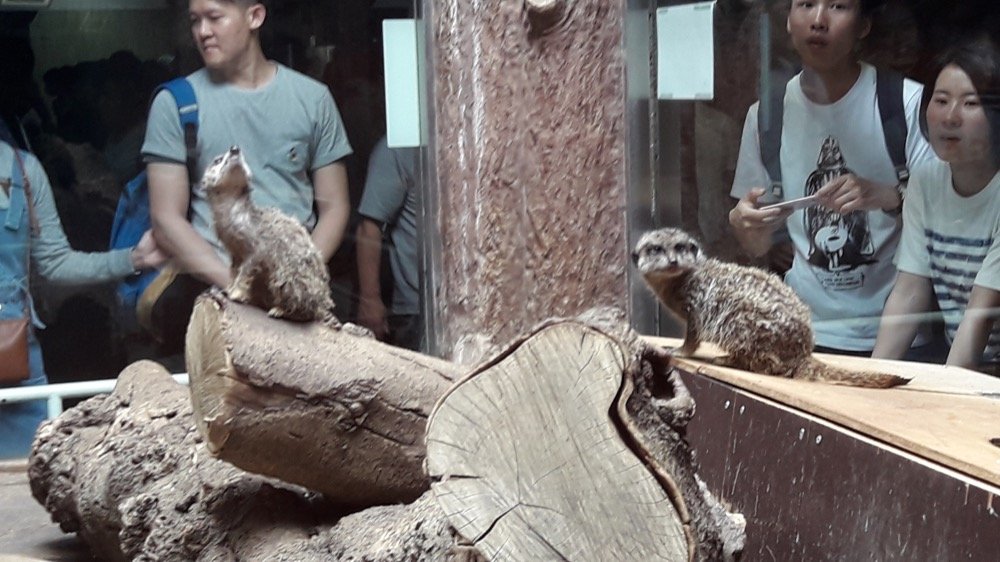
(275, 265)
(751, 314)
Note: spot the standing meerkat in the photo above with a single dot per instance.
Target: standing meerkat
(751, 314)
(275, 264)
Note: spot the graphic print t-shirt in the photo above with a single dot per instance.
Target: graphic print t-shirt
(843, 264)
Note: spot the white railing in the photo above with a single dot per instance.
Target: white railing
(54, 393)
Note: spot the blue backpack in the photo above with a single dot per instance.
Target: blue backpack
(132, 215)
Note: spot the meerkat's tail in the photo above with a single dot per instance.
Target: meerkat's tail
(815, 370)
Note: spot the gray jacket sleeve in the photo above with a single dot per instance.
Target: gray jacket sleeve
(51, 254)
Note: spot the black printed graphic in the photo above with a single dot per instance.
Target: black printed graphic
(836, 242)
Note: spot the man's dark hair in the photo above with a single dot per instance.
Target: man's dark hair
(980, 60)
(248, 3)
(866, 8)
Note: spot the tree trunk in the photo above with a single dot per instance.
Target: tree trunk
(570, 446)
(335, 412)
(540, 109)
(129, 474)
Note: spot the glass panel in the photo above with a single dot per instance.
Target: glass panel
(843, 268)
(78, 77)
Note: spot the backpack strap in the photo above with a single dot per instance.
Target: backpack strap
(187, 112)
(770, 114)
(889, 92)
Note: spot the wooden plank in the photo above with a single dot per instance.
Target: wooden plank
(945, 414)
(812, 489)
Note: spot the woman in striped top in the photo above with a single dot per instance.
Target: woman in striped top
(949, 253)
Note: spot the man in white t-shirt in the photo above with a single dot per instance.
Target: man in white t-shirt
(832, 146)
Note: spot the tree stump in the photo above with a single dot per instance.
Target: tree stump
(335, 412)
(570, 446)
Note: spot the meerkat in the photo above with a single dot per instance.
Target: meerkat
(275, 265)
(750, 313)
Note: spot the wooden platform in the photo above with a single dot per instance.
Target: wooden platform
(945, 414)
(823, 472)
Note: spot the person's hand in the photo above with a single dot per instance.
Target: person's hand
(371, 315)
(146, 254)
(747, 216)
(849, 192)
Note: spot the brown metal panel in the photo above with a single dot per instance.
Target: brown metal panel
(810, 491)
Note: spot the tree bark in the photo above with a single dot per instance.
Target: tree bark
(537, 115)
(334, 412)
(129, 474)
(570, 446)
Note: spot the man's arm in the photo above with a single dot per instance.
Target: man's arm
(974, 330)
(332, 208)
(371, 309)
(901, 317)
(753, 227)
(169, 196)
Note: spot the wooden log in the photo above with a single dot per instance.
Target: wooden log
(128, 473)
(335, 412)
(570, 446)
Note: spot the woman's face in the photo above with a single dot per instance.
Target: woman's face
(956, 122)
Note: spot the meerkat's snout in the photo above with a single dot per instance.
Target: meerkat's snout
(234, 150)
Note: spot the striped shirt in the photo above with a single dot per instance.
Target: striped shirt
(954, 241)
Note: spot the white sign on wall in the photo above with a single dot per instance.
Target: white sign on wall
(685, 52)
(402, 84)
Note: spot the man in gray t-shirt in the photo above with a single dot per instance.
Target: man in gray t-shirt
(286, 124)
(390, 201)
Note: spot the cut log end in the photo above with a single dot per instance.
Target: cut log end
(528, 463)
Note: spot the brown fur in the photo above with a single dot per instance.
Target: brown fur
(751, 314)
(275, 265)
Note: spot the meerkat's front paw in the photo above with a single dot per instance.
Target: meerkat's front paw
(357, 330)
(277, 312)
(686, 350)
(237, 294)
(332, 322)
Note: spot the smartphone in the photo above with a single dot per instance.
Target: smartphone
(793, 204)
